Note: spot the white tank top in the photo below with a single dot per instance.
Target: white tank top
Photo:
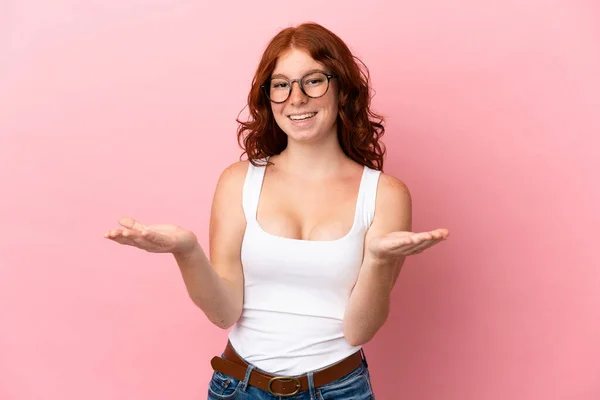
(296, 291)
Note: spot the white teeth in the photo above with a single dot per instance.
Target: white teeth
(303, 116)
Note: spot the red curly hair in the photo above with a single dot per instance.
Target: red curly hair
(358, 128)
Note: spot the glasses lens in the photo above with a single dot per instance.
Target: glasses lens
(279, 90)
(315, 85)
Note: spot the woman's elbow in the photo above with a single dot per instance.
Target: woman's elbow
(356, 337)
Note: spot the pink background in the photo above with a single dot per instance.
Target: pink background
(128, 107)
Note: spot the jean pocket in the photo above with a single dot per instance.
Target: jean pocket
(223, 387)
(356, 386)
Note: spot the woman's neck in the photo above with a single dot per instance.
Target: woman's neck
(312, 160)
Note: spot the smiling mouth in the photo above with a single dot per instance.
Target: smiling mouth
(302, 117)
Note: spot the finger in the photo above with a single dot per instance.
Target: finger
(117, 233)
(133, 234)
(414, 239)
(112, 233)
(420, 237)
(437, 235)
(442, 233)
(133, 238)
(406, 242)
(123, 240)
(131, 223)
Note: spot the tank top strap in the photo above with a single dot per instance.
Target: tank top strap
(368, 196)
(251, 190)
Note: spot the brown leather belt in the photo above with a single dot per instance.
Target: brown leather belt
(233, 365)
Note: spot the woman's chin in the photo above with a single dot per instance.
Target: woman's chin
(308, 136)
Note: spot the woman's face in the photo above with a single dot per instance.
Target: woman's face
(303, 118)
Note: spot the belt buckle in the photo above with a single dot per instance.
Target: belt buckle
(284, 378)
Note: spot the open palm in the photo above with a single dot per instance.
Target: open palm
(164, 238)
(397, 244)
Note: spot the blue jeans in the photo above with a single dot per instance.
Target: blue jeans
(354, 386)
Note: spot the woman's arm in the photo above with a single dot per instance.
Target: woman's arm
(369, 303)
(216, 286)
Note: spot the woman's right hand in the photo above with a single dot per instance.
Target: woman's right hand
(153, 238)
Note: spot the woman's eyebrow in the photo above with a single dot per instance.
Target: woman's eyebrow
(306, 73)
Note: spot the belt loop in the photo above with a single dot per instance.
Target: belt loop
(311, 385)
(364, 357)
(247, 377)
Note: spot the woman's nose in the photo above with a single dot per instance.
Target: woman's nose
(296, 95)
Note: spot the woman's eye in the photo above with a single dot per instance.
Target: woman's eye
(313, 81)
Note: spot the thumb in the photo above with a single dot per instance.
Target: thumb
(131, 223)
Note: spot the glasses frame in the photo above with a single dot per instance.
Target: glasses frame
(299, 80)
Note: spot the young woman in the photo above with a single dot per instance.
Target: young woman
(307, 236)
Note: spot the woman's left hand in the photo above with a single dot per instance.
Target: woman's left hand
(398, 244)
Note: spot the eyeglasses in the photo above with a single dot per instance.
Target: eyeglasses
(313, 85)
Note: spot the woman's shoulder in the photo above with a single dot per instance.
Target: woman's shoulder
(233, 175)
(392, 190)
(393, 206)
(235, 169)
(391, 183)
